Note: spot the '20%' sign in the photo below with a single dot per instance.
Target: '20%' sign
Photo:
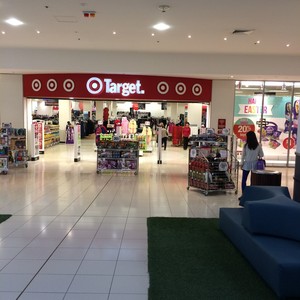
(242, 126)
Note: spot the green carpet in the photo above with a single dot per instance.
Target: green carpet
(190, 258)
(4, 218)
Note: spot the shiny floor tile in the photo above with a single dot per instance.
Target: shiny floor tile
(76, 234)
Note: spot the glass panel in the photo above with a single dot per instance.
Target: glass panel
(247, 110)
(278, 121)
(269, 109)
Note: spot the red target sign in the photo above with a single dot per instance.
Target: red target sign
(94, 85)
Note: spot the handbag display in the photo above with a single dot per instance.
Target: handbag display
(261, 164)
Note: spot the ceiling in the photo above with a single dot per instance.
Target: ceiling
(62, 25)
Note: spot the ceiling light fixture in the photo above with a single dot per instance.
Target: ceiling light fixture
(288, 45)
(225, 38)
(164, 8)
(161, 26)
(3, 32)
(14, 22)
(189, 36)
(114, 33)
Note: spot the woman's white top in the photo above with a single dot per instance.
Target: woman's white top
(250, 157)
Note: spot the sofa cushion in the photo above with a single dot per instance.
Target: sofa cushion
(255, 193)
(278, 216)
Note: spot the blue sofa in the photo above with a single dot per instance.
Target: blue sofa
(267, 232)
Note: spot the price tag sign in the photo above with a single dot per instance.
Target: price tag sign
(242, 126)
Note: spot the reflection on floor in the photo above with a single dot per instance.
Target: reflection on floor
(76, 234)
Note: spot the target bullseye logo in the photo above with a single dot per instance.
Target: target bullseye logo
(180, 88)
(36, 85)
(51, 85)
(69, 85)
(197, 89)
(163, 87)
(94, 85)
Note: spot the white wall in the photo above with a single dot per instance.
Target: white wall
(41, 108)
(222, 105)
(202, 65)
(11, 100)
(195, 114)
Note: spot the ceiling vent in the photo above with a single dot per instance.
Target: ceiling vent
(242, 31)
(66, 19)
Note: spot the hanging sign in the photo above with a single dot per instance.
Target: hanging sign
(116, 86)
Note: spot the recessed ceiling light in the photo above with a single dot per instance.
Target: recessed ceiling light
(3, 32)
(225, 38)
(114, 32)
(14, 22)
(161, 26)
(38, 32)
(152, 34)
(189, 36)
(288, 45)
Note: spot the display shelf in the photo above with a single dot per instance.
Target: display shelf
(3, 164)
(51, 135)
(212, 167)
(117, 156)
(17, 142)
(19, 157)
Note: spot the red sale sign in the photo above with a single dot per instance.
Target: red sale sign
(288, 145)
(242, 126)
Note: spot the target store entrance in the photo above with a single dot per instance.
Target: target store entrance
(61, 107)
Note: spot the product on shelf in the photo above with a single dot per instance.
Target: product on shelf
(211, 166)
(117, 156)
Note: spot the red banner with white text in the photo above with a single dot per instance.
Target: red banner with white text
(117, 87)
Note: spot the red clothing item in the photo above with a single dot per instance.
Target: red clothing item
(186, 131)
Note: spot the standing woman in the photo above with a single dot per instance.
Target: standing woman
(251, 152)
(186, 132)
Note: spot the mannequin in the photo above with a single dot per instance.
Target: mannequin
(105, 116)
(99, 129)
(147, 131)
(118, 127)
(124, 125)
(170, 128)
(132, 126)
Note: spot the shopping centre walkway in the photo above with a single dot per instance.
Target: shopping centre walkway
(76, 234)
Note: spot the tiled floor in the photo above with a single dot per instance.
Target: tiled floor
(76, 234)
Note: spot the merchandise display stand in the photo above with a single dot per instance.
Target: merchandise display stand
(51, 135)
(212, 167)
(34, 142)
(18, 151)
(117, 156)
(4, 149)
(12, 147)
(142, 143)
